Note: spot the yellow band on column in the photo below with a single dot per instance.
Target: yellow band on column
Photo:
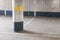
(18, 8)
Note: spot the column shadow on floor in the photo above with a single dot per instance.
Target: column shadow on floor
(30, 32)
(35, 33)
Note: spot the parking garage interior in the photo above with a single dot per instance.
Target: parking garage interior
(41, 20)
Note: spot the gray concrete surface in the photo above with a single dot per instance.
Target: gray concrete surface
(27, 19)
(42, 5)
(5, 5)
(34, 32)
(19, 36)
(6, 24)
(46, 25)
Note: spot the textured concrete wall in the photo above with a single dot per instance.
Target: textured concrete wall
(8, 4)
(26, 5)
(1, 4)
(56, 5)
(42, 5)
(5, 4)
(29, 5)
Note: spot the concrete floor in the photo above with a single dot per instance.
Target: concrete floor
(31, 30)
(6, 24)
(20, 36)
(46, 25)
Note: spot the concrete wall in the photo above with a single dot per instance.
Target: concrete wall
(30, 6)
(5, 4)
(26, 5)
(8, 4)
(1, 4)
(42, 5)
(5, 7)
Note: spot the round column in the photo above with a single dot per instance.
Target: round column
(18, 15)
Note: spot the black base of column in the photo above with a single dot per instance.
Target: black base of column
(18, 26)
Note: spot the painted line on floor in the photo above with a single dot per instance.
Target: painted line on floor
(29, 22)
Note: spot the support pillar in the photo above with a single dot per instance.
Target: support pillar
(18, 15)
